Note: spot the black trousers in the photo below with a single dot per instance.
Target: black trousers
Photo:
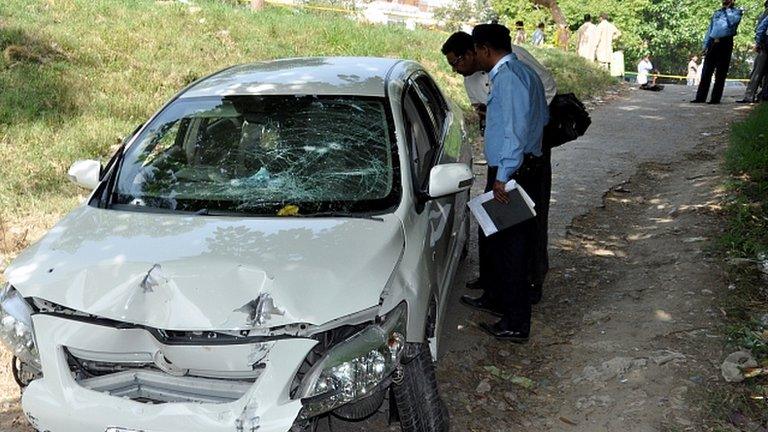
(718, 61)
(540, 265)
(507, 257)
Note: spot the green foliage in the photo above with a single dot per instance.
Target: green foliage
(747, 160)
(77, 75)
(670, 30)
(465, 11)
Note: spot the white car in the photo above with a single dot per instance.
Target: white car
(274, 246)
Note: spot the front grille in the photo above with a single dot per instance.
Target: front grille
(158, 387)
(142, 381)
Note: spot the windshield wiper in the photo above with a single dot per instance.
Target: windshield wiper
(341, 215)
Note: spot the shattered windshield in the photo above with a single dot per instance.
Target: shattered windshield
(263, 154)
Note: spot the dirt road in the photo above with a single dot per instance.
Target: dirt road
(626, 336)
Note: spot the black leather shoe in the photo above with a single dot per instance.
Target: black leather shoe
(697, 101)
(535, 294)
(744, 101)
(507, 334)
(481, 304)
(713, 103)
(474, 284)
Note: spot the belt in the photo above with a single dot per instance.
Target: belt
(531, 164)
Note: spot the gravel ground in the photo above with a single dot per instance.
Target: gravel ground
(625, 337)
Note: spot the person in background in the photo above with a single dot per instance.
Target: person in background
(759, 66)
(699, 70)
(538, 36)
(718, 47)
(562, 37)
(459, 51)
(519, 33)
(586, 39)
(693, 69)
(606, 34)
(517, 113)
(644, 67)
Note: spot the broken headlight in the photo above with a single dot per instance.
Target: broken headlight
(16, 330)
(352, 369)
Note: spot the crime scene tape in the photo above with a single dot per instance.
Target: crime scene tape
(311, 7)
(283, 4)
(683, 77)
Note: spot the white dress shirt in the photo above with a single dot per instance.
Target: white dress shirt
(478, 84)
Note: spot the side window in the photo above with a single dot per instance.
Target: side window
(436, 105)
(420, 137)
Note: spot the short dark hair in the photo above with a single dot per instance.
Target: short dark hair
(458, 43)
(520, 23)
(494, 36)
(541, 25)
(588, 17)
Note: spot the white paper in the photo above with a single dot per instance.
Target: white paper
(485, 221)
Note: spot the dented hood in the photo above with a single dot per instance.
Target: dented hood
(210, 273)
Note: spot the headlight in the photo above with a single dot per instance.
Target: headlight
(355, 367)
(16, 330)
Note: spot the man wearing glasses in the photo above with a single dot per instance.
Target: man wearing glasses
(459, 51)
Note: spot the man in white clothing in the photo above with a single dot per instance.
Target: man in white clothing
(586, 39)
(693, 69)
(459, 51)
(606, 34)
(643, 69)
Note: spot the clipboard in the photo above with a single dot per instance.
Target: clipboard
(493, 216)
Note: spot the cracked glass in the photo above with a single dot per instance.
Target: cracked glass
(263, 154)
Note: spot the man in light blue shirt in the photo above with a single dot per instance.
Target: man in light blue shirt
(516, 115)
(718, 47)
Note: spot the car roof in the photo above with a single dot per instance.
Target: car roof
(351, 76)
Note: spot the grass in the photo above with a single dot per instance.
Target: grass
(78, 75)
(746, 243)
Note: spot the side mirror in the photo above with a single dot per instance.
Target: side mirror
(448, 179)
(85, 173)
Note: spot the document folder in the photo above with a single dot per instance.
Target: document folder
(493, 216)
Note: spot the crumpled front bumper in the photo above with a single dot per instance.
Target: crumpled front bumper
(57, 402)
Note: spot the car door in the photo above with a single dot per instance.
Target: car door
(425, 119)
(450, 136)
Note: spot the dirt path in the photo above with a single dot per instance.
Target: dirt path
(626, 335)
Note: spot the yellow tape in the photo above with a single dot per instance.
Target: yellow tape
(344, 11)
(352, 11)
(298, 6)
(682, 77)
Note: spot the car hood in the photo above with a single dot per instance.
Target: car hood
(210, 273)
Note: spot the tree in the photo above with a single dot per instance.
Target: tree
(257, 5)
(557, 13)
(669, 30)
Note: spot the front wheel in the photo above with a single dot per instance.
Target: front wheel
(417, 398)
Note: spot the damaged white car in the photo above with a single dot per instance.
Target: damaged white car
(273, 247)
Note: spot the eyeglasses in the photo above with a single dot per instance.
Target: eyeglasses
(456, 61)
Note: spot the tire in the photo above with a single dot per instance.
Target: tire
(417, 398)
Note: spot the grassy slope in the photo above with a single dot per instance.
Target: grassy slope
(76, 75)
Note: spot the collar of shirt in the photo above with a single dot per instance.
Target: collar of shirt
(497, 66)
